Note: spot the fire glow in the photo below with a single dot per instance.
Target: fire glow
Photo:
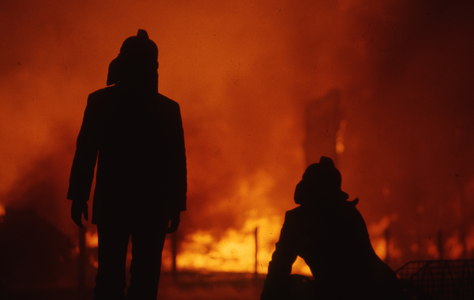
(243, 73)
(2, 212)
(235, 252)
(92, 239)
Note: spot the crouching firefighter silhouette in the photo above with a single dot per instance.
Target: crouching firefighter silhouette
(329, 233)
(136, 136)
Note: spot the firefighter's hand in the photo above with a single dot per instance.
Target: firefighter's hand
(78, 208)
(174, 219)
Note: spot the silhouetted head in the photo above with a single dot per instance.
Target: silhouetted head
(137, 62)
(321, 183)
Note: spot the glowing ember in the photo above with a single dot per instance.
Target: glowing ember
(454, 247)
(376, 231)
(92, 240)
(93, 261)
(378, 237)
(432, 249)
(340, 137)
(300, 267)
(380, 247)
(2, 210)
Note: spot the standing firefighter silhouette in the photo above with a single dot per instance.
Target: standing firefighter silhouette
(136, 137)
(329, 233)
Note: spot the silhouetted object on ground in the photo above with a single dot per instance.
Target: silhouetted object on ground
(439, 279)
(329, 233)
(33, 253)
(137, 135)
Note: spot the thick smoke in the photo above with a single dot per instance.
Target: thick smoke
(243, 72)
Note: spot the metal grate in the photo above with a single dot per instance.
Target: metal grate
(439, 279)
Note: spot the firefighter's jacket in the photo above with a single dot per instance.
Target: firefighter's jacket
(137, 140)
(334, 242)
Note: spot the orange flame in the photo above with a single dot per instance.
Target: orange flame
(379, 241)
(235, 252)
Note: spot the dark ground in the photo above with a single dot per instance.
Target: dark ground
(186, 286)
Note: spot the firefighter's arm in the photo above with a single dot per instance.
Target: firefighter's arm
(276, 284)
(82, 171)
